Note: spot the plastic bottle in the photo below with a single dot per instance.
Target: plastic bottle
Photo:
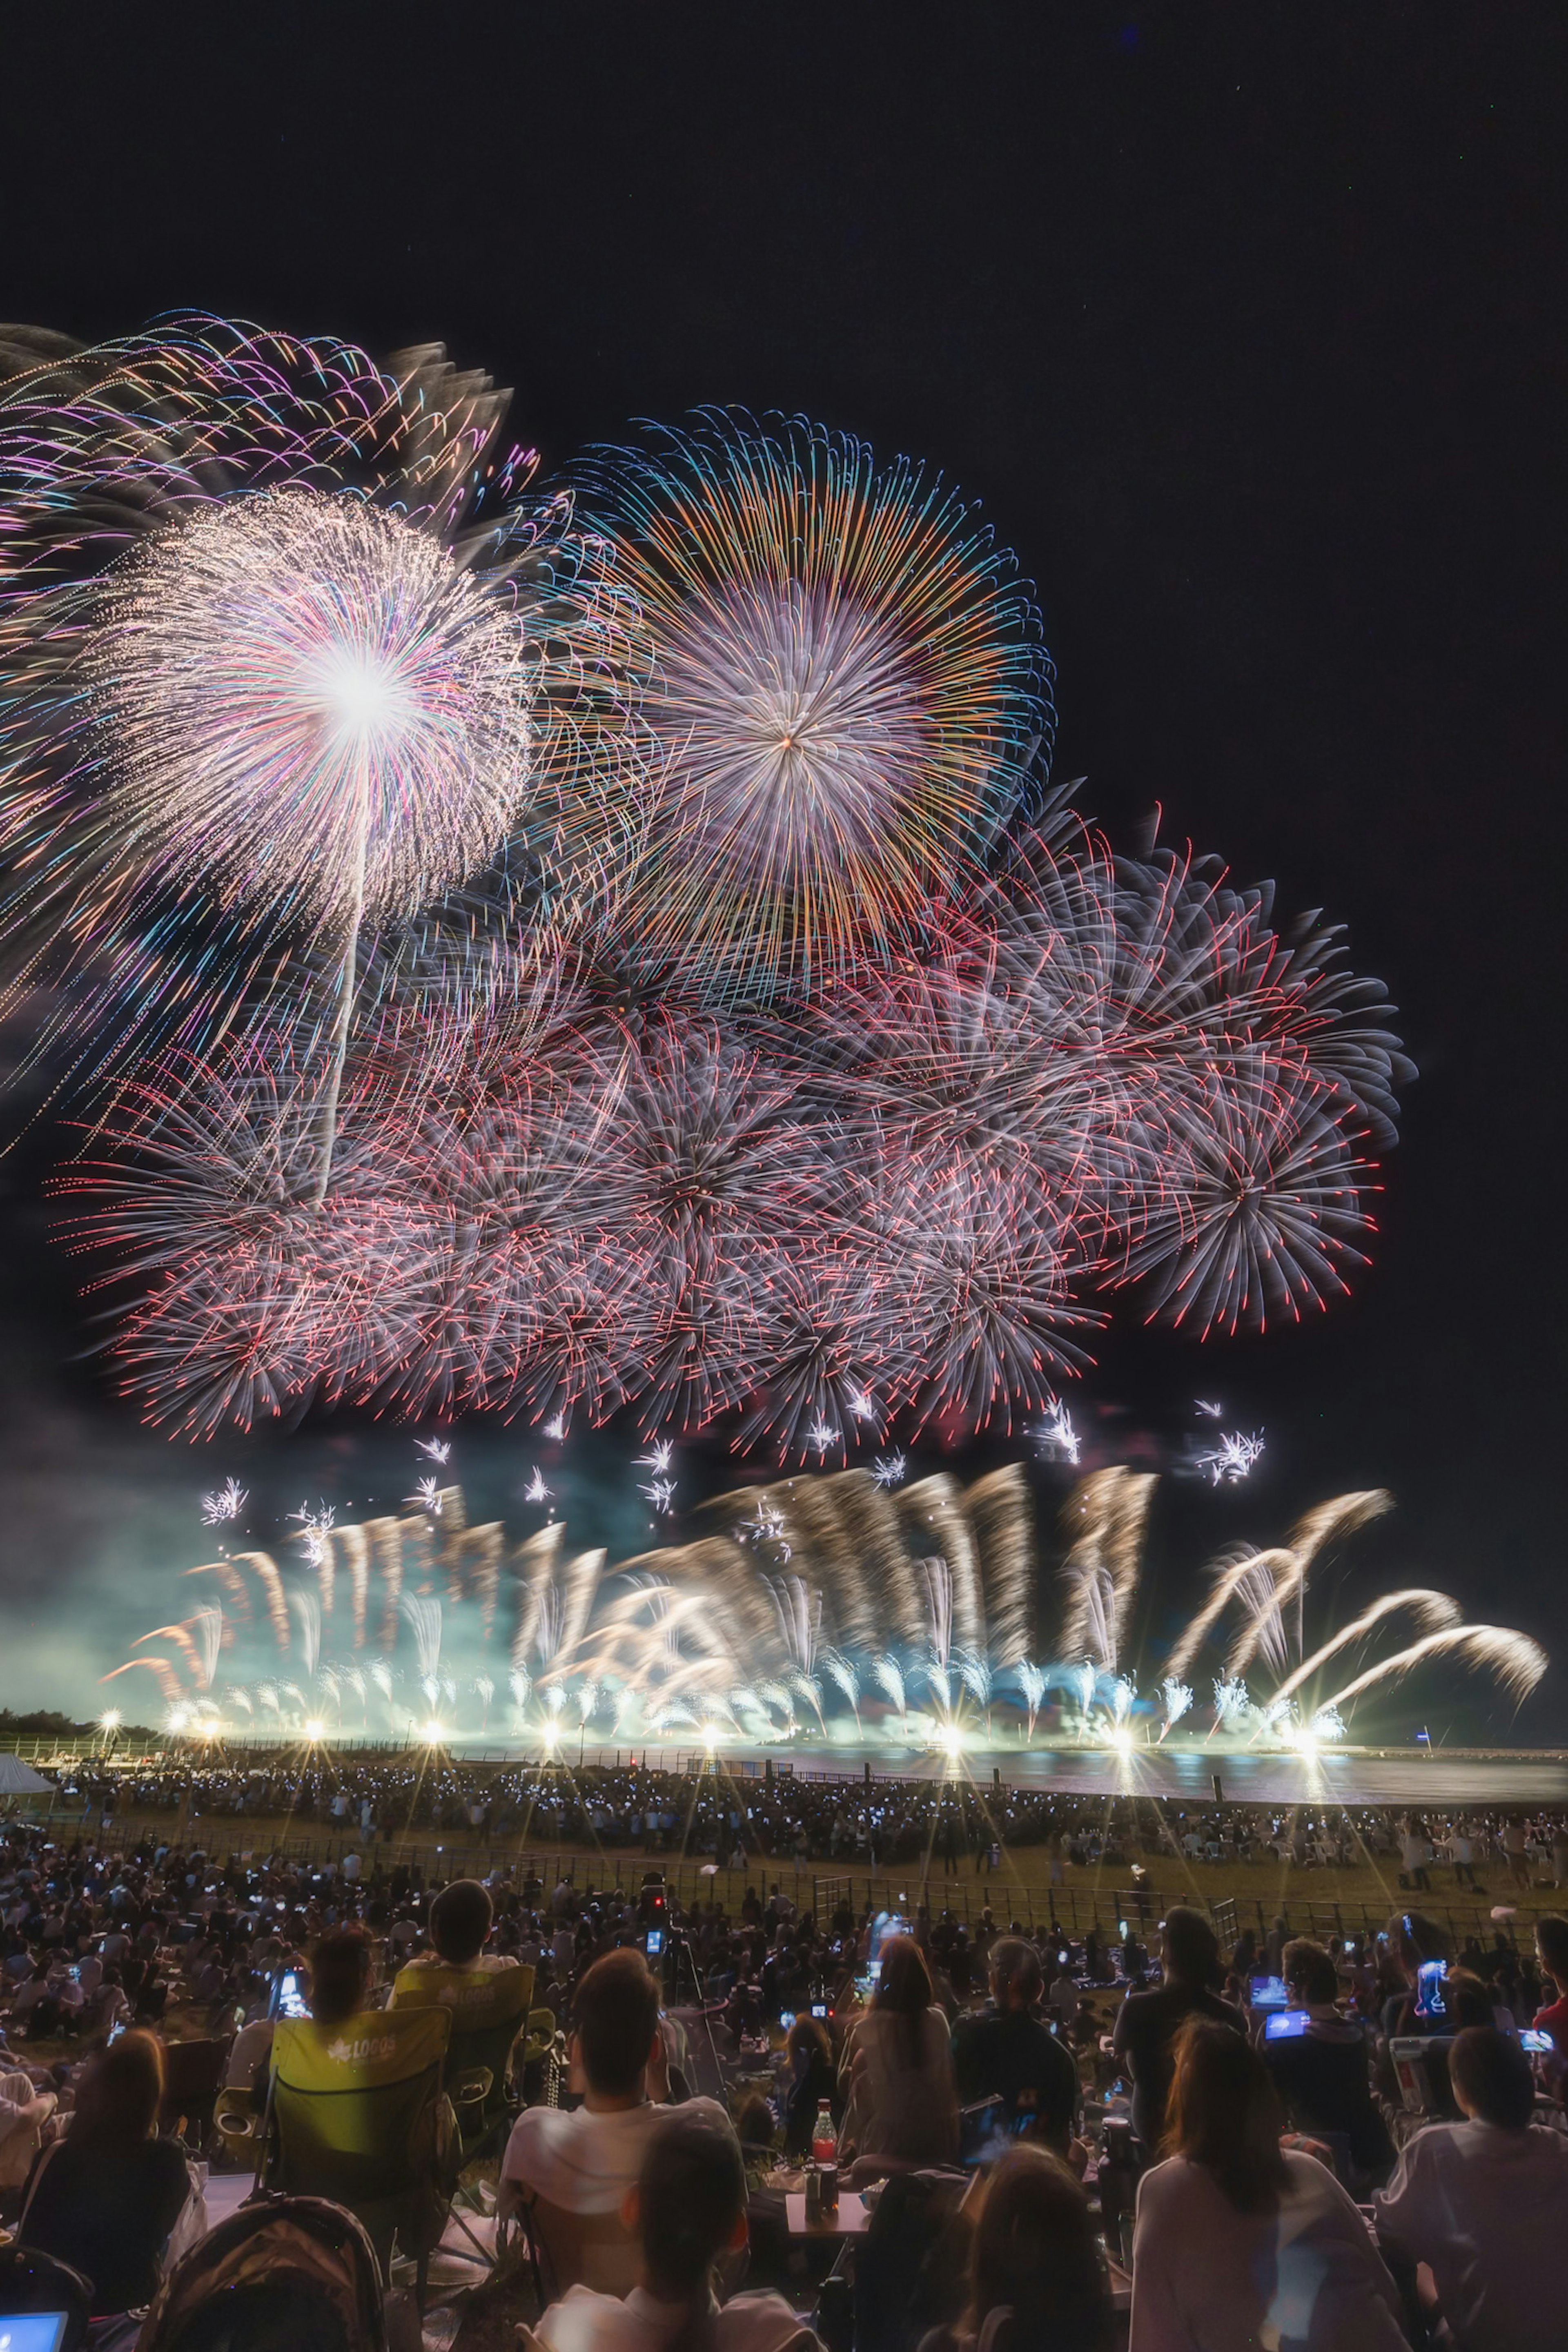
(823, 2139)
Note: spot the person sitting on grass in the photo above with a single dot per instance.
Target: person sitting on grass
(687, 2209)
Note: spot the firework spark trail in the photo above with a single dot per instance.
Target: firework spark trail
(233, 1584)
(1517, 1661)
(1231, 1703)
(1105, 1516)
(932, 1512)
(1000, 1514)
(1430, 1609)
(196, 1639)
(354, 1542)
(534, 1566)
(798, 1609)
(842, 1671)
(424, 1619)
(1256, 1589)
(1032, 1684)
(889, 1678)
(1330, 1522)
(168, 1680)
(264, 1569)
(307, 1608)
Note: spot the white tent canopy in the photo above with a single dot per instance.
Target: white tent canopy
(19, 1780)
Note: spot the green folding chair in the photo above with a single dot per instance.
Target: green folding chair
(358, 2114)
(491, 2011)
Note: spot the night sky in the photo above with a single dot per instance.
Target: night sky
(1246, 324)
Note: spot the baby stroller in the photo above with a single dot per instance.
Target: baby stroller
(293, 2271)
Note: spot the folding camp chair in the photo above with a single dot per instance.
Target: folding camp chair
(193, 2078)
(358, 2115)
(491, 2011)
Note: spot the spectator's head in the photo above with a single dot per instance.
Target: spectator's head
(1491, 2077)
(118, 2101)
(616, 2019)
(1552, 1944)
(904, 1985)
(1015, 1978)
(1191, 1949)
(339, 1976)
(1035, 2252)
(1309, 1973)
(808, 2037)
(1222, 2113)
(460, 1920)
(688, 2206)
(1469, 2002)
(755, 2123)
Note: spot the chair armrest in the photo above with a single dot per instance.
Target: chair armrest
(470, 2087)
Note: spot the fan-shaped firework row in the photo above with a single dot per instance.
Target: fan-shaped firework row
(557, 965)
(797, 1601)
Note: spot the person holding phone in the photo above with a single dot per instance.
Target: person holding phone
(1321, 2074)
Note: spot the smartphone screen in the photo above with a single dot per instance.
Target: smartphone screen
(655, 1942)
(1536, 2042)
(292, 2001)
(1430, 1998)
(1267, 1992)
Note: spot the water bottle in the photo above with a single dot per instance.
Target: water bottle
(823, 2139)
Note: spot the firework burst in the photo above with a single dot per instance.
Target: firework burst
(845, 686)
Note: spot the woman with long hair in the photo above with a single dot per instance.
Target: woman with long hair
(106, 2197)
(809, 2081)
(1036, 2274)
(689, 2209)
(1239, 2242)
(898, 2063)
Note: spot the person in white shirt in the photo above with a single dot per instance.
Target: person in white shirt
(1481, 2203)
(688, 2207)
(584, 2161)
(1240, 2243)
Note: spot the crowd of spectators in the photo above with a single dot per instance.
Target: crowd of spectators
(786, 1817)
(1074, 2110)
